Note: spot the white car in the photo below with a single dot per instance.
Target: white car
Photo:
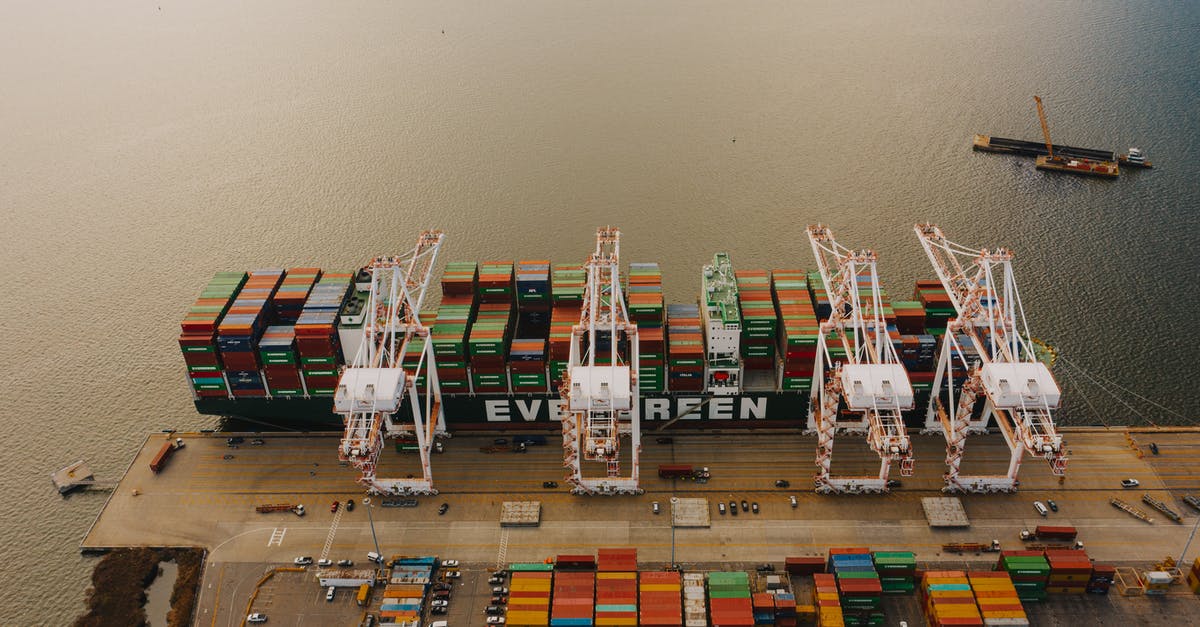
(440, 603)
(452, 574)
(440, 623)
(302, 561)
(499, 590)
(495, 620)
(1130, 483)
(324, 563)
(256, 618)
(449, 563)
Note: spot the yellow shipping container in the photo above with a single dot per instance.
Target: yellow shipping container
(1193, 582)
(806, 611)
(604, 621)
(659, 587)
(620, 575)
(951, 594)
(827, 596)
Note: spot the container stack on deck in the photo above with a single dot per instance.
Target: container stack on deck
(897, 571)
(997, 599)
(281, 365)
(567, 286)
(1029, 572)
(685, 349)
(293, 293)
(573, 599)
(1070, 571)
(661, 599)
(729, 600)
(798, 328)
(760, 322)
(527, 363)
(402, 603)
(317, 341)
(240, 330)
(947, 598)
(644, 298)
(695, 609)
(616, 598)
(859, 585)
(488, 340)
(1193, 578)
(198, 337)
(529, 598)
(460, 283)
(827, 600)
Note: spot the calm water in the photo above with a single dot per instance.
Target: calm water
(142, 149)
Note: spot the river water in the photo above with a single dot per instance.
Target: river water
(146, 144)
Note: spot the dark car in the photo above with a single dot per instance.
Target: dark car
(783, 483)
(442, 586)
(733, 508)
(235, 440)
(349, 505)
(333, 508)
(745, 506)
(893, 483)
(493, 610)
(549, 484)
(500, 442)
(754, 507)
(1052, 505)
(439, 610)
(443, 508)
(664, 440)
(441, 594)
(499, 599)
(1154, 448)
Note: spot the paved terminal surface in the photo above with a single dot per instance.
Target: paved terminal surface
(207, 493)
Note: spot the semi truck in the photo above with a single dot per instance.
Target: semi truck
(297, 509)
(168, 449)
(683, 471)
(1049, 532)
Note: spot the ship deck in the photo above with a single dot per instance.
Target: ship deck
(204, 499)
(988, 143)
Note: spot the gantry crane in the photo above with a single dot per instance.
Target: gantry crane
(1020, 391)
(371, 390)
(599, 389)
(869, 380)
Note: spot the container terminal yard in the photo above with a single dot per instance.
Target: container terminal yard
(528, 374)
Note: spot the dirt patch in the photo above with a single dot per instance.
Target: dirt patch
(119, 582)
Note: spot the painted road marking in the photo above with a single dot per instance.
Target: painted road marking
(277, 537)
(337, 517)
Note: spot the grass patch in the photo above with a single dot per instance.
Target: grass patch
(119, 581)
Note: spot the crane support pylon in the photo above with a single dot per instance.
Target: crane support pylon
(372, 387)
(600, 389)
(1019, 390)
(869, 380)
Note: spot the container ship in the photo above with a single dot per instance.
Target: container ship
(268, 345)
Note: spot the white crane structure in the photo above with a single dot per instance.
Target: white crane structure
(600, 401)
(1020, 391)
(871, 382)
(371, 390)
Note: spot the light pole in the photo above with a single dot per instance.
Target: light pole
(371, 519)
(1189, 542)
(674, 501)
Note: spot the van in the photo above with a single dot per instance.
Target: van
(1041, 509)
(375, 557)
(329, 595)
(792, 499)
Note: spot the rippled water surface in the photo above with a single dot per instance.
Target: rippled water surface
(145, 145)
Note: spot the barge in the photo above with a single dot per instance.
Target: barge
(987, 143)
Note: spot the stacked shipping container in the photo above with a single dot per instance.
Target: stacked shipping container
(573, 599)
(661, 599)
(685, 349)
(402, 603)
(454, 317)
(616, 597)
(1029, 572)
(695, 608)
(567, 287)
(997, 599)
(529, 598)
(760, 322)
(316, 333)
(488, 340)
(859, 585)
(527, 356)
(897, 571)
(948, 600)
(1070, 571)
(280, 363)
(729, 600)
(827, 600)
(240, 330)
(644, 296)
(1193, 578)
(293, 293)
(198, 334)
(798, 329)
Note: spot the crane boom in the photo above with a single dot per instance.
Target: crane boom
(871, 382)
(600, 388)
(1020, 391)
(1045, 126)
(373, 385)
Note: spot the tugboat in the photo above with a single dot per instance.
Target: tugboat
(1135, 158)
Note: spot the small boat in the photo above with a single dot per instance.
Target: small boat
(1135, 158)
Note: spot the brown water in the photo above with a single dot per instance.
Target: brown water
(142, 149)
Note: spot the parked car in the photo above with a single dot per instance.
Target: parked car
(1130, 483)
(493, 609)
(495, 580)
(302, 561)
(733, 508)
(258, 442)
(329, 595)
(655, 508)
(441, 585)
(499, 590)
(441, 594)
(324, 563)
(333, 508)
(345, 563)
(754, 507)
(1041, 509)
(783, 483)
(449, 563)
(256, 618)
(442, 510)
(237, 439)
(1052, 505)
(349, 505)
(452, 574)
(495, 620)
(439, 610)
(664, 440)
(1154, 448)
(499, 599)
(500, 442)
(721, 507)
(440, 603)
(549, 484)
(894, 483)
(372, 556)
(745, 506)
(793, 501)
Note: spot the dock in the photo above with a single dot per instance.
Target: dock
(72, 477)
(987, 143)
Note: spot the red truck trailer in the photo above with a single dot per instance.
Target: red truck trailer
(168, 449)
